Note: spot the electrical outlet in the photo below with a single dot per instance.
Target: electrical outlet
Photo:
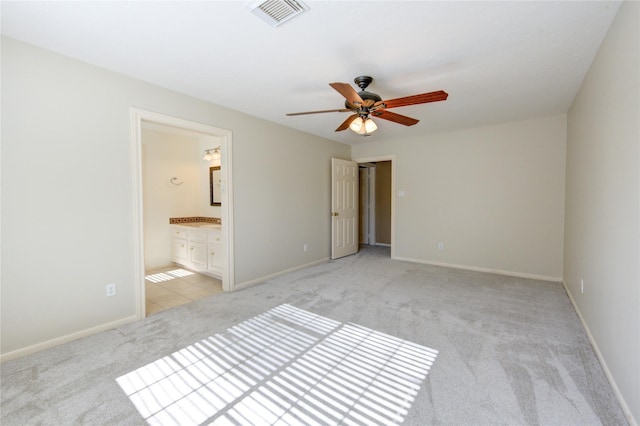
(581, 285)
(111, 290)
(440, 246)
(305, 247)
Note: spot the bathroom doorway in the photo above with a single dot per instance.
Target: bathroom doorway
(203, 135)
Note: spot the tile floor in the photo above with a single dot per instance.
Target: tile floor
(173, 286)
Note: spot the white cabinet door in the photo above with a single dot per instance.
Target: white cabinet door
(198, 255)
(178, 250)
(215, 257)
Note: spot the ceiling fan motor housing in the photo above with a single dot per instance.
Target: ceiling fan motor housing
(366, 96)
(363, 81)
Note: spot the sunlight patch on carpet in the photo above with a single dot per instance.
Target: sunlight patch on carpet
(286, 366)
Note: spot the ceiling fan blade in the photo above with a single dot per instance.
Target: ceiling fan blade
(423, 98)
(346, 123)
(319, 112)
(347, 91)
(397, 118)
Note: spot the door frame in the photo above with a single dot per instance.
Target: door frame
(370, 213)
(363, 211)
(226, 212)
(391, 158)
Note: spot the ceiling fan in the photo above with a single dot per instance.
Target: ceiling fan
(364, 104)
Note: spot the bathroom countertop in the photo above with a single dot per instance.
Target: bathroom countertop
(205, 225)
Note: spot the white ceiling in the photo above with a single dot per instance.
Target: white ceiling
(499, 61)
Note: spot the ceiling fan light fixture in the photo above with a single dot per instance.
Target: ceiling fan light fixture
(363, 126)
(357, 125)
(370, 126)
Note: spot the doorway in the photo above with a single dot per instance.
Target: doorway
(377, 207)
(141, 118)
(366, 210)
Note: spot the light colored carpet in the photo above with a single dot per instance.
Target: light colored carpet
(509, 350)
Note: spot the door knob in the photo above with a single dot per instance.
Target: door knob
(335, 214)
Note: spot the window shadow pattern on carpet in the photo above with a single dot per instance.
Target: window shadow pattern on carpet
(286, 366)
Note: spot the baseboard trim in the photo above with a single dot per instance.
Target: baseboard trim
(65, 339)
(277, 274)
(607, 372)
(487, 270)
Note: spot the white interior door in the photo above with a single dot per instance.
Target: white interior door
(344, 208)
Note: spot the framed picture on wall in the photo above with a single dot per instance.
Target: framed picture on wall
(214, 186)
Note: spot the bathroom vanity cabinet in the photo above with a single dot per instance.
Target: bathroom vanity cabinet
(214, 252)
(198, 248)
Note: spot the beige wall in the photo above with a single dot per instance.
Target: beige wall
(493, 195)
(602, 203)
(67, 201)
(383, 202)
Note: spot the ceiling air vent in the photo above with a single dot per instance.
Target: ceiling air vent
(276, 12)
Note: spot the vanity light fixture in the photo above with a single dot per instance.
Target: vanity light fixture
(211, 154)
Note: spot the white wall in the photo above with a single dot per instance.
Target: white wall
(67, 201)
(168, 153)
(493, 196)
(602, 230)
